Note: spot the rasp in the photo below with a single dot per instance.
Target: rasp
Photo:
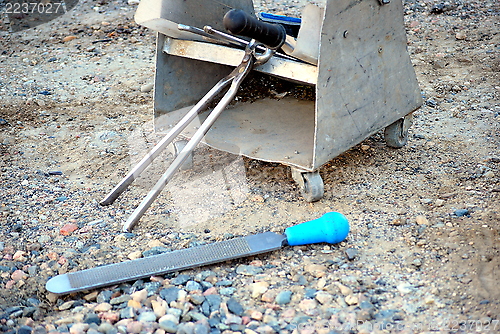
(332, 227)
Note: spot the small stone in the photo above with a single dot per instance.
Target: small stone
(91, 296)
(489, 174)
(308, 305)
(140, 296)
(134, 304)
(68, 229)
(158, 308)
(19, 256)
(256, 315)
(201, 328)
(461, 212)
(103, 307)
(316, 270)
(180, 279)
(104, 296)
(168, 326)
(69, 38)
(460, 35)
(193, 286)
(323, 297)
(147, 87)
(78, 328)
(405, 288)
(283, 297)
(134, 327)
(214, 301)
(120, 299)
(127, 313)
(210, 291)
(186, 328)
(18, 275)
(351, 300)
(421, 220)
(170, 294)
(351, 253)
(439, 202)
(235, 307)
(248, 270)
(258, 288)
(227, 291)
(27, 330)
(91, 318)
(66, 306)
(147, 317)
(346, 291)
(135, 255)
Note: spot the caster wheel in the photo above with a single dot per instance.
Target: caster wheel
(178, 147)
(396, 134)
(310, 183)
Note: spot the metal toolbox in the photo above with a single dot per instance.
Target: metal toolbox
(364, 82)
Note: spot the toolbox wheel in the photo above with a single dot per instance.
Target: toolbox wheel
(178, 147)
(311, 184)
(396, 134)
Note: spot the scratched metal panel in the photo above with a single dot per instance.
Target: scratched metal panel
(180, 82)
(366, 79)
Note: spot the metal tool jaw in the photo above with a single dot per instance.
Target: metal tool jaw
(251, 58)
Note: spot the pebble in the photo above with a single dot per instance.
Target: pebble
(248, 270)
(352, 300)
(139, 296)
(147, 87)
(170, 294)
(284, 297)
(147, 317)
(180, 279)
(103, 307)
(168, 326)
(134, 327)
(422, 220)
(461, 212)
(323, 297)
(258, 289)
(193, 286)
(351, 253)
(121, 299)
(68, 229)
(235, 307)
(69, 38)
(316, 270)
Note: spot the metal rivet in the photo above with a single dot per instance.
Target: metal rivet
(380, 50)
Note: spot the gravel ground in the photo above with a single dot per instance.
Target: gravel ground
(423, 252)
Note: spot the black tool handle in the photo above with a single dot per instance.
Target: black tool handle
(240, 23)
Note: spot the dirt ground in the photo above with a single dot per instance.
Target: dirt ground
(427, 214)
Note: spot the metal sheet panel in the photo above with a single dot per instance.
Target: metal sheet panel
(366, 80)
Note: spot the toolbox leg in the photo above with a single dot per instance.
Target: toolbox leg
(396, 134)
(310, 183)
(178, 147)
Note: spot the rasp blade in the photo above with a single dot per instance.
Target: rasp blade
(166, 263)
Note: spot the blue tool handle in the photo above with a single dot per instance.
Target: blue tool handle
(240, 23)
(332, 227)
